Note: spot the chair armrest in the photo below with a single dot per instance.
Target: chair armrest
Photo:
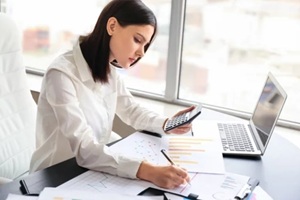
(4, 180)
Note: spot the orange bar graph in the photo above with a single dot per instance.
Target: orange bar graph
(184, 142)
(182, 146)
(183, 150)
(191, 139)
(187, 150)
(58, 198)
(179, 153)
(186, 162)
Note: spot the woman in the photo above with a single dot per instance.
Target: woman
(81, 92)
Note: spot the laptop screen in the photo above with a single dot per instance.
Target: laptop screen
(268, 108)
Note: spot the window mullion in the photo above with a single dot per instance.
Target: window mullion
(174, 50)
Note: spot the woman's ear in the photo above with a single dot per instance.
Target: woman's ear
(111, 25)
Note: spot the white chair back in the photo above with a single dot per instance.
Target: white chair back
(17, 107)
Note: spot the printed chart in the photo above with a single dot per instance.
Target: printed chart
(139, 145)
(102, 182)
(213, 186)
(50, 193)
(181, 150)
(146, 149)
(196, 154)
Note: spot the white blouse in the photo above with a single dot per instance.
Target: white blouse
(75, 117)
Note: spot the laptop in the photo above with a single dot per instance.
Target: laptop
(251, 138)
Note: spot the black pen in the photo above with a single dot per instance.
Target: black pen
(167, 157)
(163, 151)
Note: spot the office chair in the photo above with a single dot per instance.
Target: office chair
(17, 107)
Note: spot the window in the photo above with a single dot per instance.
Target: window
(217, 52)
(230, 46)
(51, 28)
(149, 74)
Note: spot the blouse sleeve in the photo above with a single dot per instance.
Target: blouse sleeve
(133, 114)
(62, 96)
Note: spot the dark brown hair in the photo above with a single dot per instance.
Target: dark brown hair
(95, 46)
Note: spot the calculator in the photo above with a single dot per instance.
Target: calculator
(184, 118)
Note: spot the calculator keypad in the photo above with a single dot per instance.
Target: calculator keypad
(177, 120)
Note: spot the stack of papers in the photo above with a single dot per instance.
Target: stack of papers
(65, 194)
(201, 156)
(93, 181)
(21, 197)
(68, 194)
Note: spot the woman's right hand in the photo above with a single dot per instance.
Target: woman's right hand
(168, 177)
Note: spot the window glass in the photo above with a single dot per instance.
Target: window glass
(51, 28)
(230, 46)
(150, 73)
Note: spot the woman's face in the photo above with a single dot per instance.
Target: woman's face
(127, 44)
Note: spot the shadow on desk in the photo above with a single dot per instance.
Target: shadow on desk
(242, 157)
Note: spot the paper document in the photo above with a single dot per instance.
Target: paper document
(20, 197)
(68, 194)
(101, 182)
(212, 186)
(259, 194)
(207, 186)
(140, 145)
(195, 154)
(174, 197)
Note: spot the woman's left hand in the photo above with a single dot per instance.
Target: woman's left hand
(183, 128)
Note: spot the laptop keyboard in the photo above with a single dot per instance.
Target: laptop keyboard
(234, 137)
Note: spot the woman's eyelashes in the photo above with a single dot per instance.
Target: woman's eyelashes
(137, 40)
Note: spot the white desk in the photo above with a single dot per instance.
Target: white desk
(278, 170)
